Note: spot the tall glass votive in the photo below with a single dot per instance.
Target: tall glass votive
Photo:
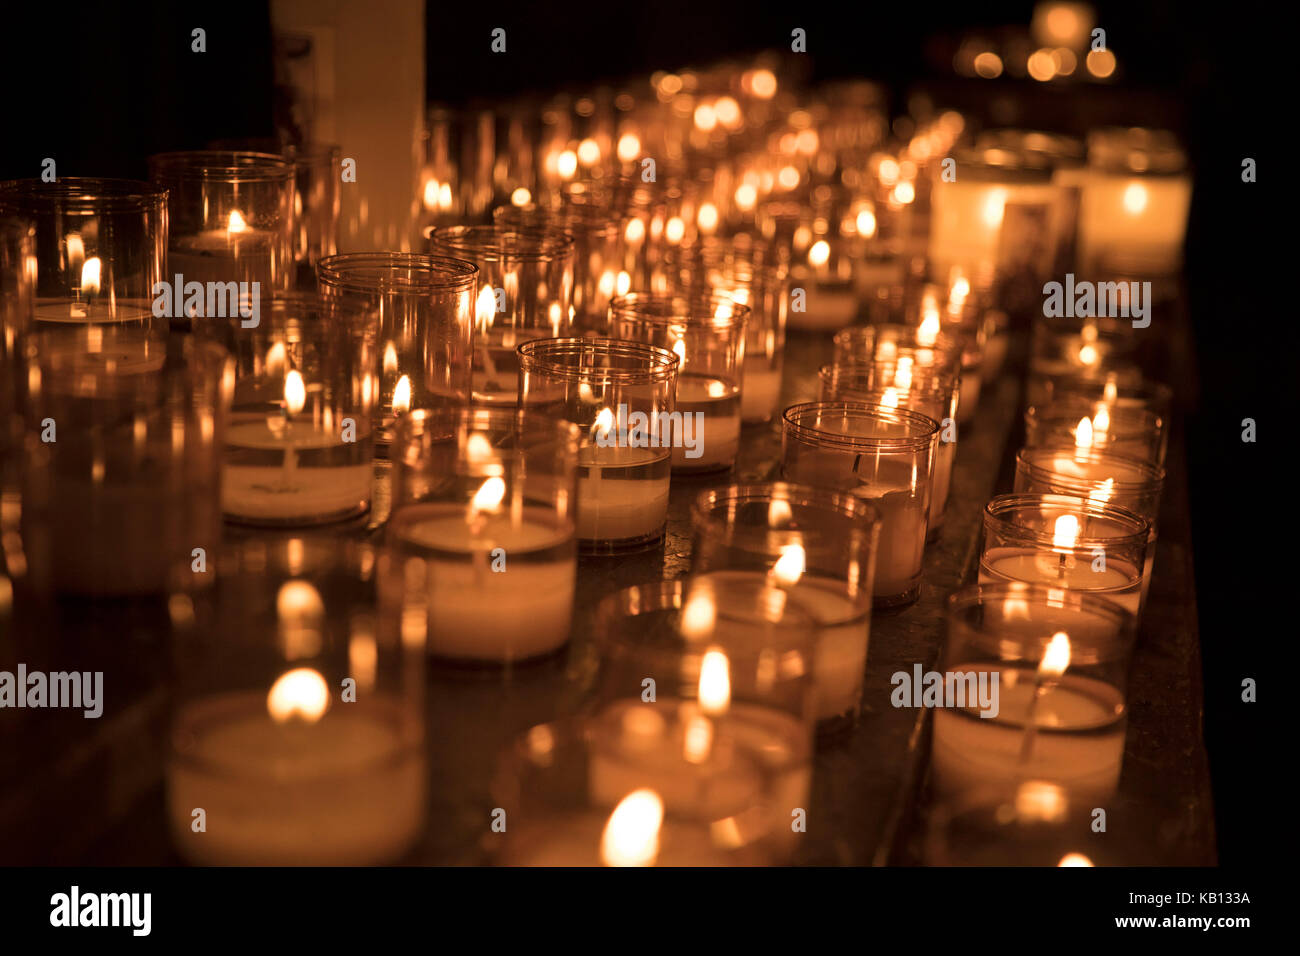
(1112, 390)
(300, 444)
(822, 267)
(1066, 542)
(707, 332)
(883, 455)
(1051, 666)
(933, 395)
(298, 731)
(597, 255)
(706, 697)
(1131, 432)
(816, 546)
(231, 218)
(423, 310)
(99, 247)
(621, 396)
(126, 494)
(482, 532)
(524, 291)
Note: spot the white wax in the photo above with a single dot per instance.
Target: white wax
(760, 390)
(717, 435)
(475, 613)
(220, 256)
(291, 491)
(1078, 744)
(1133, 224)
(902, 536)
(1120, 581)
(614, 508)
(347, 790)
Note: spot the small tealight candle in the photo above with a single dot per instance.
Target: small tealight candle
(1101, 426)
(883, 455)
(1066, 542)
(300, 442)
(298, 735)
(621, 396)
(707, 334)
(482, 531)
(822, 266)
(818, 547)
(1059, 659)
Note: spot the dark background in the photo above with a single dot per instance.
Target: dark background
(100, 87)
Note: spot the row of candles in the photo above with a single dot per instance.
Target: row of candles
(533, 386)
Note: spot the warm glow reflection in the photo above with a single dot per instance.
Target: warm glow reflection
(819, 254)
(889, 398)
(988, 65)
(1083, 433)
(485, 309)
(866, 223)
(300, 693)
(1074, 859)
(700, 613)
(927, 333)
(995, 205)
(1100, 422)
(631, 836)
(1101, 63)
(90, 273)
(1065, 532)
(778, 513)
(790, 566)
(1135, 199)
(295, 392)
(679, 349)
(603, 425)
(489, 496)
(521, 197)
(236, 222)
(629, 147)
(1103, 491)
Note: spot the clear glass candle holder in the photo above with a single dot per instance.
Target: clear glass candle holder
(747, 271)
(483, 532)
(883, 455)
(1066, 542)
(934, 395)
(707, 332)
(1037, 677)
(706, 697)
(1129, 431)
(423, 309)
(822, 265)
(1106, 479)
(525, 291)
(300, 445)
(297, 736)
(621, 396)
(819, 548)
(124, 497)
(1114, 391)
(17, 280)
(231, 216)
(1091, 348)
(916, 348)
(597, 255)
(99, 247)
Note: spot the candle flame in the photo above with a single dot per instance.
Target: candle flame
(820, 253)
(295, 392)
(1101, 422)
(866, 223)
(927, 333)
(486, 307)
(390, 358)
(1066, 532)
(1075, 859)
(1057, 656)
(1103, 491)
(778, 512)
(1111, 391)
(90, 273)
(715, 682)
(236, 224)
(789, 568)
(1088, 354)
(489, 496)
(699, 614)
(903, 374)
(679, 348)
(478, 449)
(402, 395)
(629, 147)
(604, 423)
(1135, 199)
(302, 693)
(631, 836)
(1083, 434)
(890, 398)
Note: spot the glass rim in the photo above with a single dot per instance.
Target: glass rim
(535, 353)
(1147, 419)
(862, 411)
(999, 508)
(376, 272)
(487, 242)
(1152, 394)
(849, 506)
(571, 220)
(328, 307)
(230, 165)
(83, 194)
(520, 418)
(1082, 651)
(1152, 480)
(633, 306)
